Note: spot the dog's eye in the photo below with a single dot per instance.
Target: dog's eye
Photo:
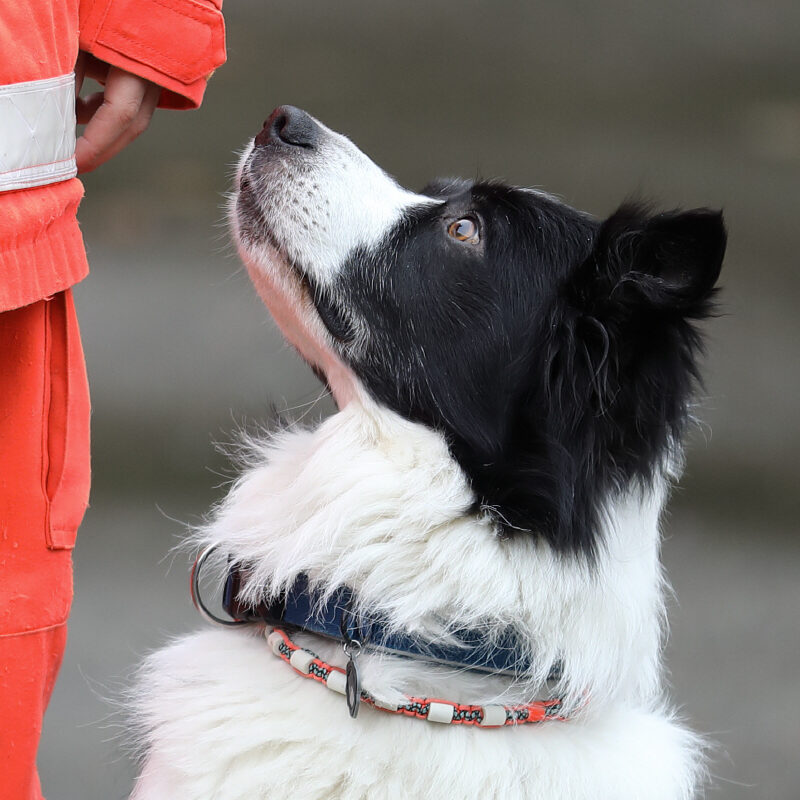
(465, 230)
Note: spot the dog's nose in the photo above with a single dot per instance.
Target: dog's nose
(291, 126)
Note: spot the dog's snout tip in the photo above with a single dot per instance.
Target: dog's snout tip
(291, 126)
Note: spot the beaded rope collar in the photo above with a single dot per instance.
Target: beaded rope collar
(309, 665)
(298, 610)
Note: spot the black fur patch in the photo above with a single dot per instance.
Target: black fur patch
(557, 354)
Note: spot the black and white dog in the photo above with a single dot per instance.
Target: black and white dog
(513, 379)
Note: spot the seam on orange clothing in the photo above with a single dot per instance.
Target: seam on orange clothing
(143, 48)
(34, 630)
(46, 416)
(200, 9)
(64, 300)
(102, 21)
(60, 537)
(169, 83)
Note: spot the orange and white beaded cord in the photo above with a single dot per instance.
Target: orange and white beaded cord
(308, 665)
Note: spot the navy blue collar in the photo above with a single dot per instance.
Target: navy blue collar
(301, 608)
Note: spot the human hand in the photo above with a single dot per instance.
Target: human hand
(113, 117)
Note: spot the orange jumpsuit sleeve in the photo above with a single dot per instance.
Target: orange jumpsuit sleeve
(174, 43)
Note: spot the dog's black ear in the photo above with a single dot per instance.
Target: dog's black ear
(665, 263)
(622, 359)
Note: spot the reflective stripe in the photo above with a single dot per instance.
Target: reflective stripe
(37, 132)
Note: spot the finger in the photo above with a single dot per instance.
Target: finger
(85, 107)
(122, 100)
(139, 124)
(80, 71)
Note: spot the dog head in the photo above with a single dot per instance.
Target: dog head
(554, 352)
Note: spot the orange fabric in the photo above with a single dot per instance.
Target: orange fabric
(174, 43)
(44, 486)
(30, 665)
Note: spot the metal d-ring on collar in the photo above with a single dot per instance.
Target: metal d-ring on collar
(198, 600)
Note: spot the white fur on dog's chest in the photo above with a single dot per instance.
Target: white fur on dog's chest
(374, 502)
(230, 722)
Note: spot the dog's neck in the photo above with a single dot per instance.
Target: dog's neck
(371, 501)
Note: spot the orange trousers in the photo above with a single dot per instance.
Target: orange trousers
(44, 489)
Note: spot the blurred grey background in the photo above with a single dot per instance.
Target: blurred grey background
(687, 103)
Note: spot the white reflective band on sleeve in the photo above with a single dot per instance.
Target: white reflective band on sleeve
(37, 132)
